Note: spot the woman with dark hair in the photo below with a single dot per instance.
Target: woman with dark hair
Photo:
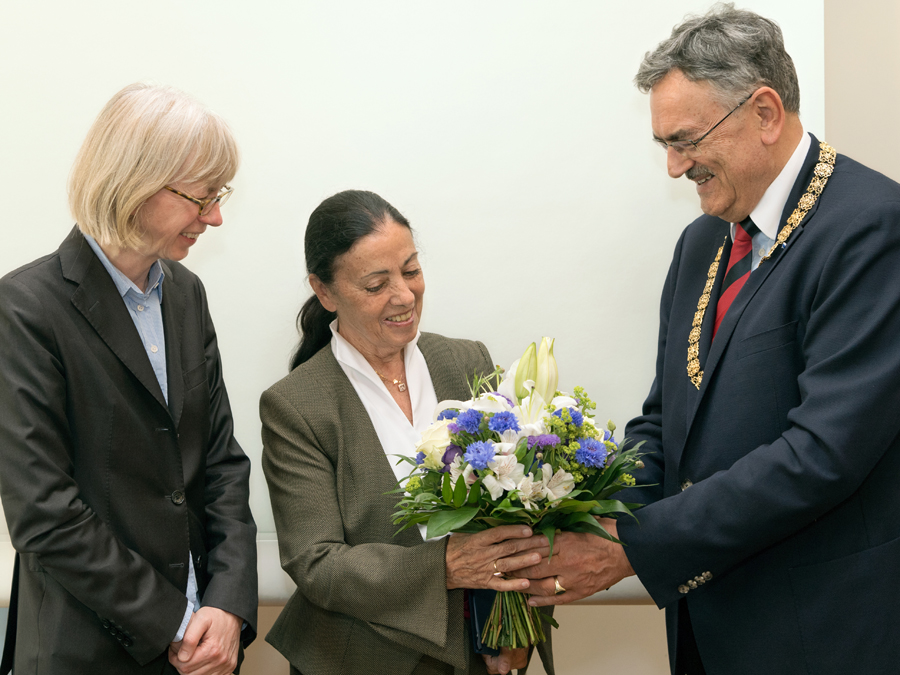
(364, 384)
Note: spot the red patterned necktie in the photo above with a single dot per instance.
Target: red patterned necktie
(738, 270)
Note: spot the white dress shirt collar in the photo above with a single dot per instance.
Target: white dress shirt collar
(767, 214)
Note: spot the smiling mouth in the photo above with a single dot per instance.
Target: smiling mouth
(190, 235)
(400, 318)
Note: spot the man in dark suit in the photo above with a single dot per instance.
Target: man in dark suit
(125, 491)
(771, 534)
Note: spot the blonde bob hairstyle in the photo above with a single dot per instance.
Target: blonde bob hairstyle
(148, 136)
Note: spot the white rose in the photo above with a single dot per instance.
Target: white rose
(433, 444)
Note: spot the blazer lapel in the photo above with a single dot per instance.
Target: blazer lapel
(97, 299)
(173, 309)
(758, 276)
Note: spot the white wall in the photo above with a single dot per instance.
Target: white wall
(508, 132)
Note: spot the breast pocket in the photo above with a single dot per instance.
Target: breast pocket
(768, 340)
(195, 376)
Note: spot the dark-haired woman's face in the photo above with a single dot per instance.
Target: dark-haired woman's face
(377, 291)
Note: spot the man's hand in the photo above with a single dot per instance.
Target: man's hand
(582, 563)
(508, 659)
(481, 560)
(210, 644)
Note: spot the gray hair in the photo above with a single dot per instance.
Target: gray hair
(735, 50)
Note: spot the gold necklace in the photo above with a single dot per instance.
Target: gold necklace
(401, 385)
(822, 172)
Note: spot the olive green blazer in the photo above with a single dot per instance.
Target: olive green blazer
(368, 600)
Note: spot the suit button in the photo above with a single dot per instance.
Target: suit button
(686, 484)
(127, 643)
(105, 623)
(177, 497)
(683, 589)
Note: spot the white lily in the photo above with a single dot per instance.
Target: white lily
(558, 485)
(526, 370)
(564, 401)
(547, 375)
(507, 473)
(491, 403)
(447, 405)
(530, 491)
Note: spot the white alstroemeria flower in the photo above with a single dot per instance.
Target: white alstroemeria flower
(508, 442)
(433, 444)
(529, 492)
(457, 470)
(558, 485)
(507, 473)
(491, 403)
(462, 406)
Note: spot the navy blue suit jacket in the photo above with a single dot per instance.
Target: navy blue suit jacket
(778, 491)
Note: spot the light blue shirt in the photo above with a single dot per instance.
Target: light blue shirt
(146, 312)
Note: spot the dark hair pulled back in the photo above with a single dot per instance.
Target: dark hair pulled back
(334, 227)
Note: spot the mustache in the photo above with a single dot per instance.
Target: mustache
(698, 171)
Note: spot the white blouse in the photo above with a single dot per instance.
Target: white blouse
(396, 434)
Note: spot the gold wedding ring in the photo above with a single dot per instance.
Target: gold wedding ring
(497, 573)
(559, 587)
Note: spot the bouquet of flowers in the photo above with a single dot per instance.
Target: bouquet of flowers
(517, 452)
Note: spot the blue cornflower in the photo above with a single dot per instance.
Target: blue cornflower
(592, 453)
(478, 454)
(420, 458)
(448, 414)
(469, 421)
(577, 417)
(542, 440)
(503, 421)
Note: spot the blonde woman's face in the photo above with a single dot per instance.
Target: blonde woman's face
(172, 224)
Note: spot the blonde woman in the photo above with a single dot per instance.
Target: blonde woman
(124, 489)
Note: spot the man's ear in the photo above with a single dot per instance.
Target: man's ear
(769, 113)
(321, 291)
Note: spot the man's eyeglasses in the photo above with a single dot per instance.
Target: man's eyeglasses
(206, 205)
(689, 148)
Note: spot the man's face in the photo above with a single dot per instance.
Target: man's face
(728, 166)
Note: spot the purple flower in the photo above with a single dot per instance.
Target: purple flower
(452, 452)
(453, 428)
(479, 454)
(420, 458)
(542, 440)
(448, 414)
(504, 421)
(592, 453)
(469, 421)
(577, 417)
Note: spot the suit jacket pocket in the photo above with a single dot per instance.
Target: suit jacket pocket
(770, 339)
(845, 609)
(195, 376)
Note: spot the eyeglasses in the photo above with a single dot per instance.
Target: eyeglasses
(689, 148)
(206, 205)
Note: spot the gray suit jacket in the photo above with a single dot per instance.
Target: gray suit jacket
(105, 486)
(368, 600)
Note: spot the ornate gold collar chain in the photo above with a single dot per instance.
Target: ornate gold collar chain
(821, 173)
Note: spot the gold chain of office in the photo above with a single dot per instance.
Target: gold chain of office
(821, 173)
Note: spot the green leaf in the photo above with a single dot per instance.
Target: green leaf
(459, 493)
(522, 449)
(447, 489)
(447, 521)
(474, 492)
(582, 522)
(549, 531)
